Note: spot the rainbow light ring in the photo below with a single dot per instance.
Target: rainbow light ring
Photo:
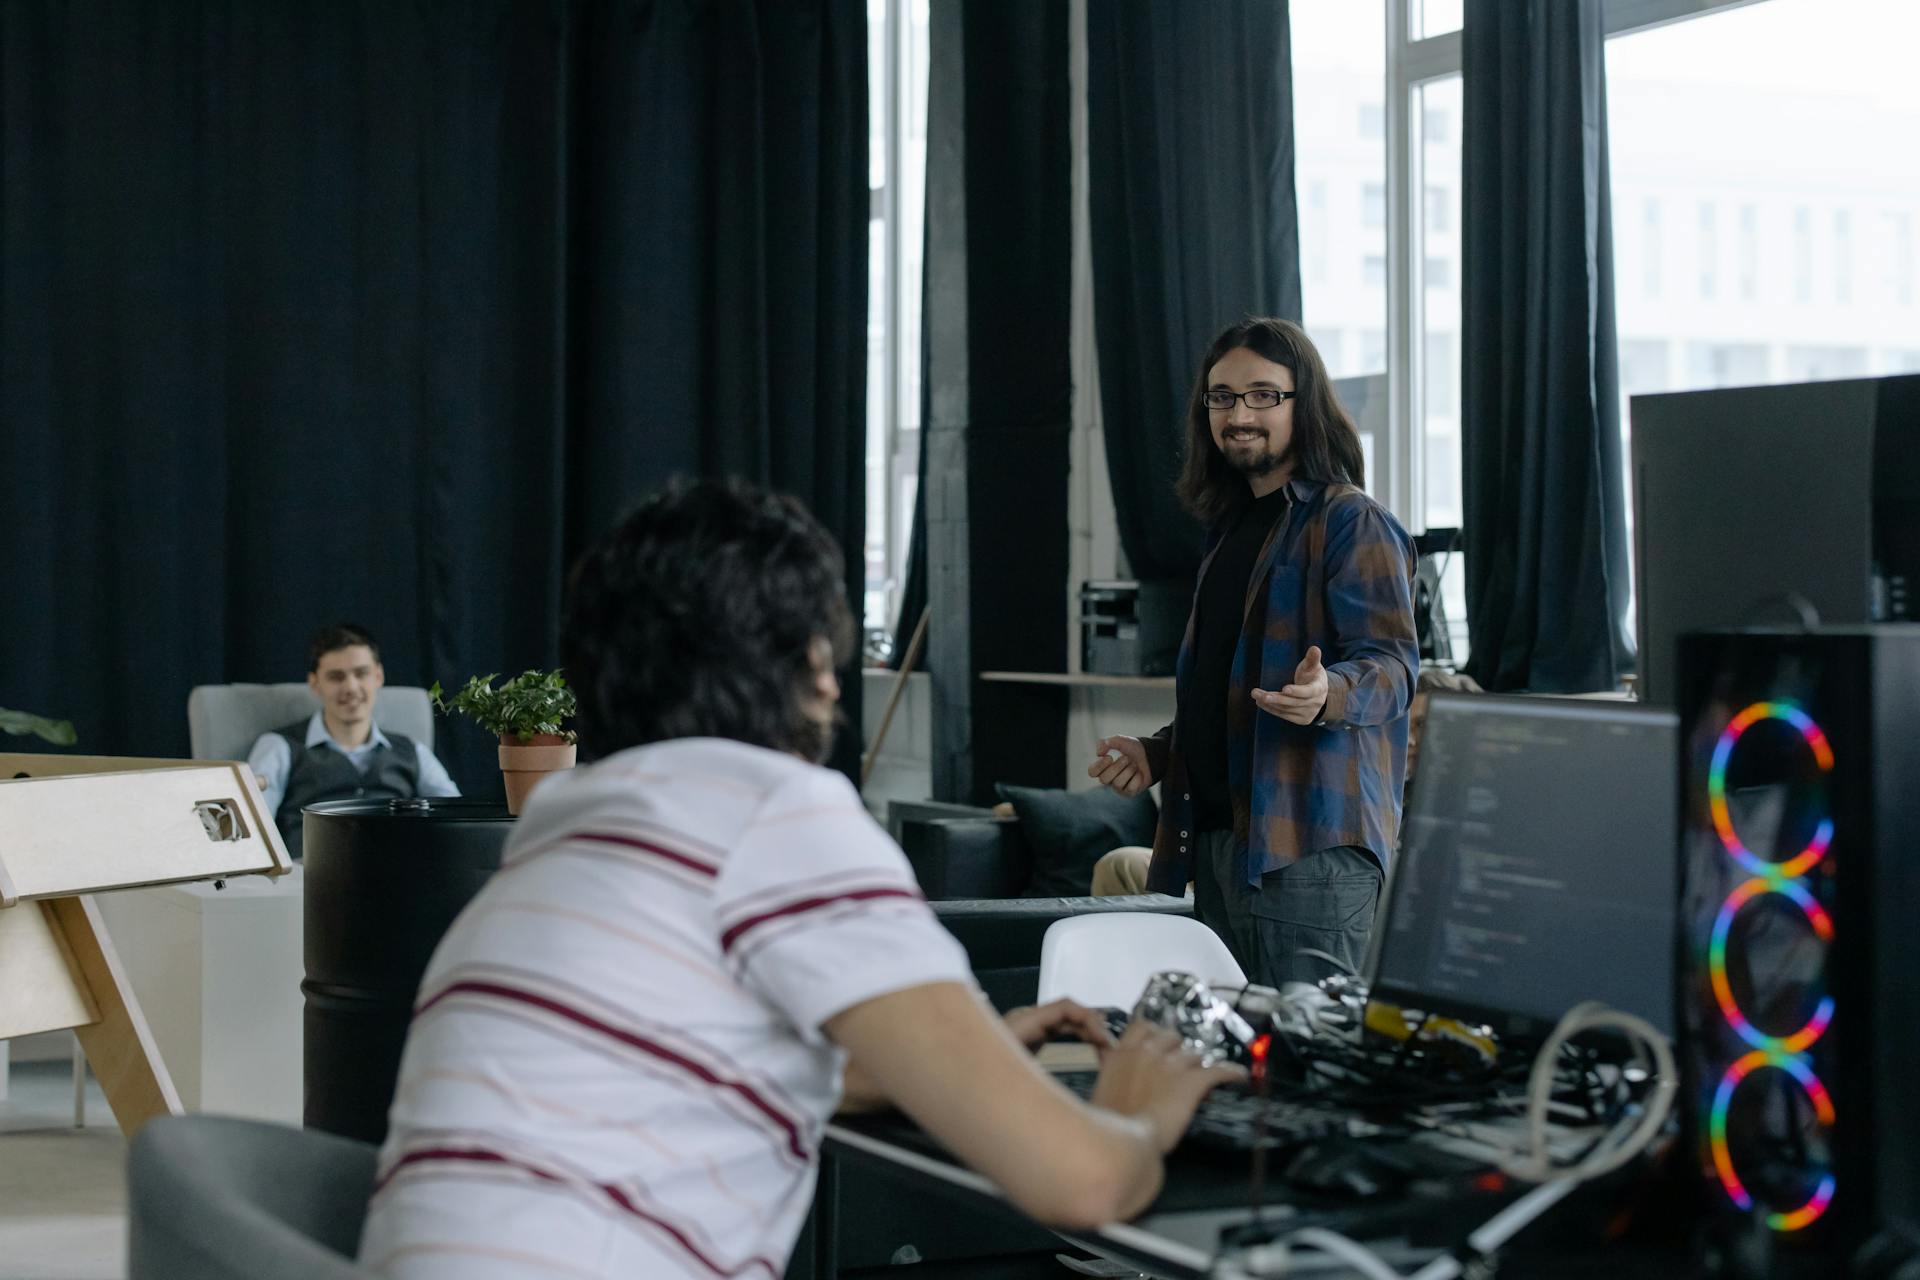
(1792, 1219)
(1822, 923)
(1807, 858)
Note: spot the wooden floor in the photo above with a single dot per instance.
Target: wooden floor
(63, 1204)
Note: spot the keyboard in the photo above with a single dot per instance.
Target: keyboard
(1229, 1117)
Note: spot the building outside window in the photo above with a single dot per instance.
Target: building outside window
(1707, 250)
(1650, 249)
(1749, 252)
(1842, 256)
(1701, 112)
(1339, 68)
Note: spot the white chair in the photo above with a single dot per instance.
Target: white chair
(1104, 959)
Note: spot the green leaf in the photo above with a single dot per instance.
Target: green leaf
(532, 702)
(21, 723)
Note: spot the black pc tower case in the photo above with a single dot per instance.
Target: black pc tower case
(1799, 1000)
(1758, 506)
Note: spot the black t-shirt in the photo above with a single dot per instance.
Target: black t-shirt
(1218, 613)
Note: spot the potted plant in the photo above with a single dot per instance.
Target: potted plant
(21, 723)
(528, 713)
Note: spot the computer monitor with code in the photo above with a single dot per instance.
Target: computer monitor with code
(1538, 863)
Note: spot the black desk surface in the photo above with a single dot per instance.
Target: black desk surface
(1206, 1192)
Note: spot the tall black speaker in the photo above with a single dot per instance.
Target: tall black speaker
(1800, 1000)
(1755, 505)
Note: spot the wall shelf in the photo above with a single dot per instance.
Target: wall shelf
(1078, 680)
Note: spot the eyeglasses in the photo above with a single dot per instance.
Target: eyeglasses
(1258, 398)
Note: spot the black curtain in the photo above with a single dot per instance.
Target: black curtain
(1190, 158)
(1545, 502)
(998, 388)
(380, 311)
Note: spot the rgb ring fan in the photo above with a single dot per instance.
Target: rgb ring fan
(1786, 1054)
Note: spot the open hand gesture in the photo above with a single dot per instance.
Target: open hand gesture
(1301, 701)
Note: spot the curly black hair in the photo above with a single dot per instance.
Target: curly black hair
(338, 635)
(694, 618)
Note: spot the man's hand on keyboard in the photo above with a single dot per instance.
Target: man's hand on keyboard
(1148, 1074)
(1034, 1025)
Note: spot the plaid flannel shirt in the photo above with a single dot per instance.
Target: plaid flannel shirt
(1336, 571)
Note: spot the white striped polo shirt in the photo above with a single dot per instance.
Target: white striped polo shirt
(615, 1066)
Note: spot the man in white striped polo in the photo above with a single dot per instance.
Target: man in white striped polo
(699, 946)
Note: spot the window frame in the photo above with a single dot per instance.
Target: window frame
(900, 429)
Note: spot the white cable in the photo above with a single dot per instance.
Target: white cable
(1486, 1238)
(1535, 1163)
(1352, 1252)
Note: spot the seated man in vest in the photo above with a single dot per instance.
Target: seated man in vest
(339, 753)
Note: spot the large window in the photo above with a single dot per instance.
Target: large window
(1765, 189)
(1340, 169)
(1787, 128)
(1437, 306)
(1340, 173)
(1784, 133)
(1438, 17)
(1765, 199)
(897, 178)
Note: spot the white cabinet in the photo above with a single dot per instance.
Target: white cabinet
(217, 973)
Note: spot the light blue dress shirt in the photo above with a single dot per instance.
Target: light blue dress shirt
(271, 758)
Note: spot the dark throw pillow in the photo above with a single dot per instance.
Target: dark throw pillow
(1068, 832)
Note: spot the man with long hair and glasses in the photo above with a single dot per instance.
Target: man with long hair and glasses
(1284, 764)
(697, 946)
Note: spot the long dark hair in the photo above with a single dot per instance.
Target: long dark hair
(693, 618)
(1326, 446)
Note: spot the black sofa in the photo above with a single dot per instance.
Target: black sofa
(961, 850)
(972, 864)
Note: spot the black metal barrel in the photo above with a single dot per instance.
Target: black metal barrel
(384, 880)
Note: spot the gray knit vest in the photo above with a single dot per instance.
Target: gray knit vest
(324, 773)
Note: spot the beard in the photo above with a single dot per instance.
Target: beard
(1257, 458)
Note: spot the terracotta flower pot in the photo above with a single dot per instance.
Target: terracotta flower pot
(524, 764)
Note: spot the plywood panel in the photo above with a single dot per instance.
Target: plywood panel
(15, 764)
(37, 988)
(88, 832)
(22, 764)
(118, 1044)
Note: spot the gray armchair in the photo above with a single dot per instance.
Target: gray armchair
(223, 720)
(219, 1198)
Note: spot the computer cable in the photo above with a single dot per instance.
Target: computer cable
(1534, 1163)
(1531, 1161)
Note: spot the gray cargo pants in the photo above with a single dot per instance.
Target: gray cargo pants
(1324, 902)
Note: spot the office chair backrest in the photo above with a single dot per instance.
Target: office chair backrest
(220, 1198)
(1105, 960)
